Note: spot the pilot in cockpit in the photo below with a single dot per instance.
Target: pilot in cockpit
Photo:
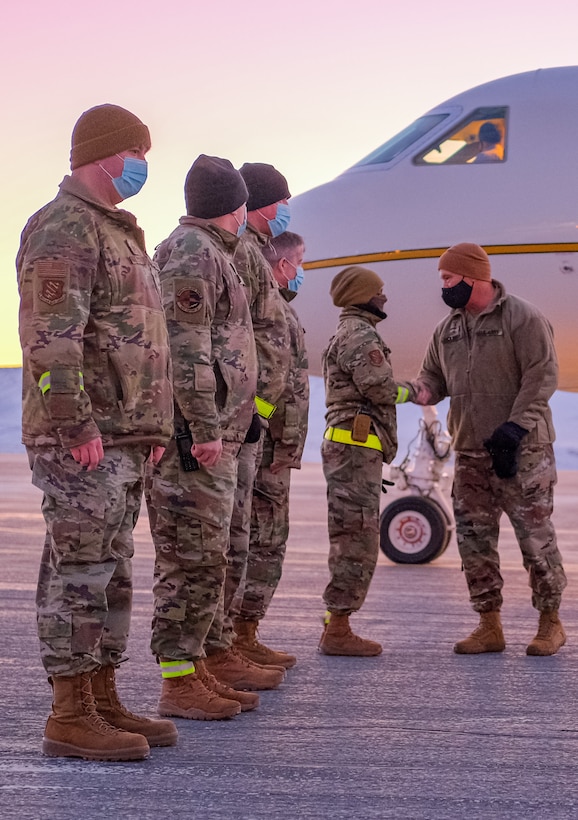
(489, 138)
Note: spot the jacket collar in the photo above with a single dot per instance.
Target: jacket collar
(226, 238)
(358, 313)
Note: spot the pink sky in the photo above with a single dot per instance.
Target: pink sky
(308, 86)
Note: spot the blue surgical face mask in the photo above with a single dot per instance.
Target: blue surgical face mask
(242, 226)
(133, 177)
(280, 223)
(295, 284)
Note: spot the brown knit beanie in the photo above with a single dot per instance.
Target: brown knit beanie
(265, 185)
(467, 259)
(213, 188)
(355, 286)
(104, 131)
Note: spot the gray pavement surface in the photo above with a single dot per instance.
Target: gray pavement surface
(418, 732)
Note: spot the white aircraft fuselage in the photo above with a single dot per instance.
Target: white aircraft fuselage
(427, 189)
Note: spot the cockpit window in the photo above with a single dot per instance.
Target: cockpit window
(405, 138)
(481, 138)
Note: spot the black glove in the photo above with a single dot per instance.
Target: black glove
(504, 448)
(254, 432)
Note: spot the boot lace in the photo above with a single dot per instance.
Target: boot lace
(90, 710)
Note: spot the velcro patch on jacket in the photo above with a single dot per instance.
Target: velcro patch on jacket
(189, 304)
(50, 283)
(376, 357)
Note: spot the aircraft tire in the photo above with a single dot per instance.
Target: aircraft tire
(413, 530)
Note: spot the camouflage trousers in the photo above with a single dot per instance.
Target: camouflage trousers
(84, 593)
(353, 476)
(479, 499)
(269, 533)
(190, 517)
(221, 633)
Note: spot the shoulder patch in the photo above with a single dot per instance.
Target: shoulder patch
(376, 357)
(51, 281)
(189, 300)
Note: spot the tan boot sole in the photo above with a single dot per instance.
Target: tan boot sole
(477, 649)
(167, 709)
(536, 651)
(54, 748)
(352, 654)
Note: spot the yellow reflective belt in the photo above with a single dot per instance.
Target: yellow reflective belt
(344, 437)
(176, 669)
(264, 408)
(402, 395)
(44, 381)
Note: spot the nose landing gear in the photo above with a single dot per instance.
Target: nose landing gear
(417, 527)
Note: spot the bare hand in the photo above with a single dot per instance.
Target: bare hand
(156, 454)
(88, 455)
(209, 453)
(423, 395)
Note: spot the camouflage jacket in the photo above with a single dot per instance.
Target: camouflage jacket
(288, 425)
(268, 315)
(95, 346)
(212, 345)
(358, 378)
(502, 368)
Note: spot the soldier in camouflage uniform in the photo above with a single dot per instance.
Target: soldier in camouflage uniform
(268, 215)
(97, 400)
(494, 356)
(215, 375)
(283, 441)
(360, 394)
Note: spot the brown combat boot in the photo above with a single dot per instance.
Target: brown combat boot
(247, 700)
(550, 636)
(75, 728)
(486, 637)
(157, 732)
(232, 668)
(338, 639)
(187, 696)
(247, 644)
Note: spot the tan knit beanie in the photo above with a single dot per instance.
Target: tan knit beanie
(355, 286)
(104, 131)
(467, 259)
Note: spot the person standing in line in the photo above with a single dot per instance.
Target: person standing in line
(361, 395)
(283, 442)
(190, 493)
(268, 216)
(494, 356)
(97, 403)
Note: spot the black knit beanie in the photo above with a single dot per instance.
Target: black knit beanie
(265, 184)
(213, 188)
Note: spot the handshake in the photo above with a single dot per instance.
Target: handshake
(504, 448)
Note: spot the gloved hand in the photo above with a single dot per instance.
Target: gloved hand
(504, 448)
(254, 432)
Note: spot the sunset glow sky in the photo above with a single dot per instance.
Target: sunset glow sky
(309, 86)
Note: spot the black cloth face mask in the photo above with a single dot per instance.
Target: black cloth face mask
(458, 296)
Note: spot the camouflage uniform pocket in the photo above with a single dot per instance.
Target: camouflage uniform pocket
(54, 626)
(200, 543)
(73, 508)
(537, 470)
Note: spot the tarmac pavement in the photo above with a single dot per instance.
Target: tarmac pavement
(418, 732)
